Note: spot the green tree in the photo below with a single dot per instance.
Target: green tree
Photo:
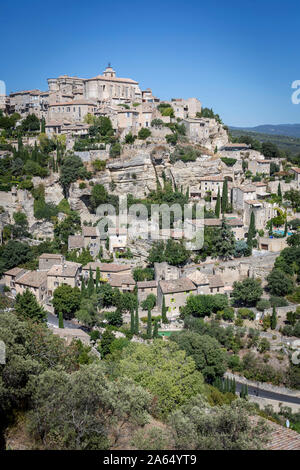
(132, 322)
(224, 204)
(218, 204)
(164, 370)
(206, 351)
(149, 302)
(28, 307)
(136, 320)
(90, 285)
(144, 133)
(60, 320)
(224, 242)
(279, 283)
(71, 170)
(155, 330)
(251, 231)
(149, 324)
(273, 319)
(66, 299)
(247, 292)
(279, 193)
(164, 309)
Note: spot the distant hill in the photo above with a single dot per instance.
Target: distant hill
(290, 130)
(291, 145)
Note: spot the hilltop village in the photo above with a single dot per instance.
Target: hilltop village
(88, 142)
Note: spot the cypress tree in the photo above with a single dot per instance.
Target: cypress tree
(90, 286)
(60, 320)
(155, 330)
(218, 205)
(251, 231)
(97, 277)
(149, 324)
(136, 320)
(83, 288)
(164, 317)
(285, 228)
(273, 319)
(132, 322)
(224, 204)
(187, 195)
(271, 228)
(279, 193)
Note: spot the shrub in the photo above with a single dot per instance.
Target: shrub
(144, 133)
(246, 313)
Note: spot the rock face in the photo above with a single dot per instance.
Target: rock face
(135, 176)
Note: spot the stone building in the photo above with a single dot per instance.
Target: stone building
(175, 292)
(35, 282)
(201, 281)
(296, 172)
(110, 88)
(66, 273)
(259, 167)
(107, 270)
(185, 108)
(262, 211)
(211, 184)
(123, 282)
(166, 272)
(11, 276)
(72, 111)
(146, 288)
(47, 260)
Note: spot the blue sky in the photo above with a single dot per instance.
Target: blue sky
(239, 57)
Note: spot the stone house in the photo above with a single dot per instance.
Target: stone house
(146, 288)
(72, 111)
(272, 244)
(92, 239)
(216, 284)
(240, 194)
(123, 282)
(107, 270)
(11, 276)
(175, 292)
(47, 260)
(201, 281)
(117, 239)
(35, 282)
(185, 108)
(235, 224)
(210, 184)
(197, 129)
(262, 211)
(66, 273)
(166, 272)
(259, 167)
(234, 147)
(76, 242)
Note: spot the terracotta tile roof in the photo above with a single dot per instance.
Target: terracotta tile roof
(215, 281)
(212, 178)
(282, 438)
(118, 280)
(51, 256)
(198, 277)
(76, 241)
(33, 279)
(111, 79)
(13, 271)
(75, 102)
(106, 267)
(68, 269)
(90, 231)
(296, 169)
(145, 284)
(253, 202)
(177, 285)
